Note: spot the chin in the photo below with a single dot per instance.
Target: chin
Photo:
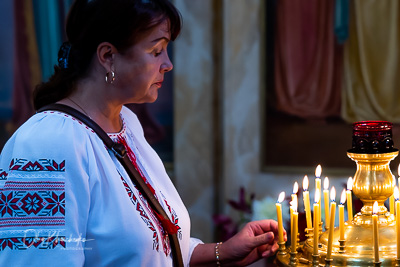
(147, 100)
(151, 98)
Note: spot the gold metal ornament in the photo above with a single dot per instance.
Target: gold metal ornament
(373, 181)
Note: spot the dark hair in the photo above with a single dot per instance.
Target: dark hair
(91, 22)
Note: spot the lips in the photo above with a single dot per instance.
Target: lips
(159, 84)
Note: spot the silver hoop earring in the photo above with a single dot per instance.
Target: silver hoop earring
(110, 77)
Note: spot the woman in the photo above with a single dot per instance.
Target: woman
(65, 198)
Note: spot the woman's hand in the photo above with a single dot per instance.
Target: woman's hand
(256, 240)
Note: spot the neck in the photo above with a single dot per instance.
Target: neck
(105, 115)
(93, 97)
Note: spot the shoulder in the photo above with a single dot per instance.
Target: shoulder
(48, 134)
(52, 126)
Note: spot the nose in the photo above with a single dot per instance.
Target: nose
(166, 65)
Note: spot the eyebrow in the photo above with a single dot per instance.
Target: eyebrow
(161, 38)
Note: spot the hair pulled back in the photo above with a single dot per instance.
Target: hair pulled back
(91, 22)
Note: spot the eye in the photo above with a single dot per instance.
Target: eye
(157, 53)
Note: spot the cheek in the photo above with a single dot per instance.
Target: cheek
(139, 75)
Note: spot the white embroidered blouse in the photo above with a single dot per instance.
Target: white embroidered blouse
(65, 199)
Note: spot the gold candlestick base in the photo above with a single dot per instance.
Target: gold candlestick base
(282, 248)
(328, 262)
(315, 260)
(377, 264)
(298, 241)
(342, 246)
(397, 263)
(293, 258)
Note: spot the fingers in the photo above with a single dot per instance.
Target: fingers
(263, 239)
(270, 251)
(263, 226)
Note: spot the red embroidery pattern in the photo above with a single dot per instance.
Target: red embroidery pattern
(174, 219)
(40, 203)
(40, 242)
(164, 239)
(142, 213)
(132, 158)
(40, 165)
(67, 116)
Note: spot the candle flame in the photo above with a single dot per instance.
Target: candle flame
(350, 184)
(333, 193)
(317, 196)
(305, 183)
(343, 197)
(295, 188)
(375, 207)
(281, 197)
(318, 171)
(326, 183)
(396, 193)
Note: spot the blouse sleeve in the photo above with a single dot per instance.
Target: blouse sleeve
(193, 244)
(44, 197)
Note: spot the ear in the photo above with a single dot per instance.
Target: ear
(105, 55)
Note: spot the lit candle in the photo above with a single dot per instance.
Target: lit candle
(375, 231)
(341, 214)
(291, 216)
(295, 226)
(326, 201)
(279, 216)
(318, 172)
(349, 199)
(306, 200)
(294, 194)
(396, 196)
(391, 204)
(294, 199)
(331, 222)
(391, 199)
(316, 222)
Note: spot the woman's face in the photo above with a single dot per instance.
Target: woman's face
(139, 71)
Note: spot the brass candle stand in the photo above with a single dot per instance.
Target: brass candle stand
(373, 181)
